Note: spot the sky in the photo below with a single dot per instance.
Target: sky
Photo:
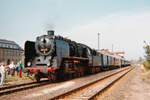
(121, 23)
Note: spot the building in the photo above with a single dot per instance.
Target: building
(10, 51)
(116, 54)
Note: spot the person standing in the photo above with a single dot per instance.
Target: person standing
(12, 66)
(3, 73)
(20, 69)
(17, 68)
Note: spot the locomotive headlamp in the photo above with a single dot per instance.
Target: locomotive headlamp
(29, 64)
(48, 64)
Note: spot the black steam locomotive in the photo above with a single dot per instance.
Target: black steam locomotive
(55, 58)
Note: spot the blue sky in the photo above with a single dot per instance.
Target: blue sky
(123, 23)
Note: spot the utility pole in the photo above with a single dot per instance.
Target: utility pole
(98, 41)
(112, 48)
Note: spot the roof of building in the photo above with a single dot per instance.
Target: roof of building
(9, 44)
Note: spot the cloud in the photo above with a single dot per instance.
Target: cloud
(126, 31)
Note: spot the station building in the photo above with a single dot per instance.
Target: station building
(10, 51)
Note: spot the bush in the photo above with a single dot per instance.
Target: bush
(146, 64)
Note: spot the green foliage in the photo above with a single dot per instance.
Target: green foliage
(147, 51)
(16, 77)
(148, 58)
(146, 64)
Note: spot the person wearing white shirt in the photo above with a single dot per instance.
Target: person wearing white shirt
(3, 71)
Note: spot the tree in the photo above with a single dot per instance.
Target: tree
(147, 56)
(147, 51)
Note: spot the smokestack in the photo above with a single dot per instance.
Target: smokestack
(50, 32)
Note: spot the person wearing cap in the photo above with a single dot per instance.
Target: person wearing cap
(3, 71)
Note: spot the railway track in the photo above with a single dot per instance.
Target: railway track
(91, 90)
(19, 87)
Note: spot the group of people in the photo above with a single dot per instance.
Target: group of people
(15, 68)
(11, 69)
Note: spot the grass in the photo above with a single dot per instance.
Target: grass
(16, 78)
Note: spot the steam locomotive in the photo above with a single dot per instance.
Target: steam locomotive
(56, 58)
